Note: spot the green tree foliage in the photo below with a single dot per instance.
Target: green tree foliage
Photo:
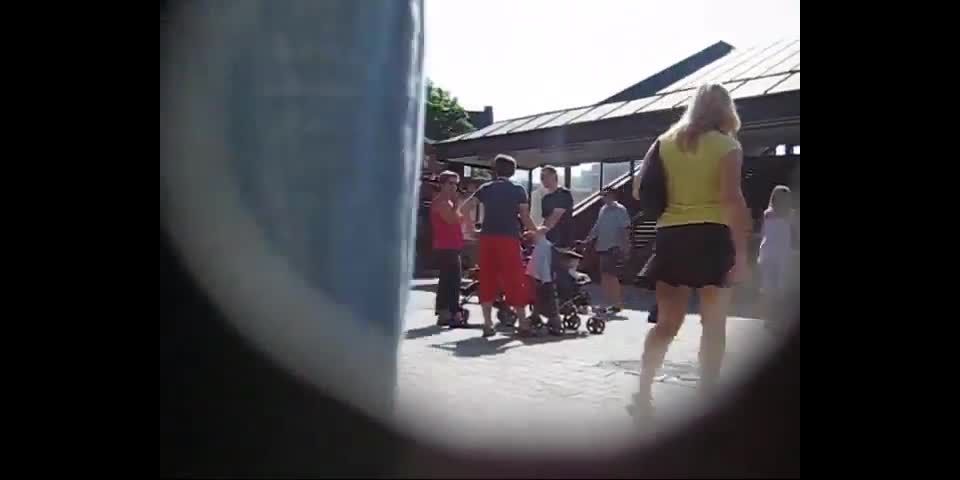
(445, 117)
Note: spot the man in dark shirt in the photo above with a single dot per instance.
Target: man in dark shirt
(557, 209)
(505, 206)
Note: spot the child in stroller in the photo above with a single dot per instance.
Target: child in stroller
(574, 299)
(558, 295)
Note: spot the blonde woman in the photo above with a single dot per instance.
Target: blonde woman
(701, 236)
(776, 249)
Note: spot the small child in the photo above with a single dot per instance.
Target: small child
(540, 273)
(573, 263)
(776, 248)
(569, 280)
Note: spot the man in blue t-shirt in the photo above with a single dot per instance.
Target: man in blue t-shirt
(505, 207)
(612, 231)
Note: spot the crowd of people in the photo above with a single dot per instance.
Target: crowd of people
(700, 243)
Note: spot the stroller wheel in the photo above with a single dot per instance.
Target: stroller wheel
(464, 317)
(596, 325)
(572, 322)
(536, 322)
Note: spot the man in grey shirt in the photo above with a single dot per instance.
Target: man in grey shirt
(613, 245)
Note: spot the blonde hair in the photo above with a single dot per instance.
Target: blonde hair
(711, 108)
(779, 200)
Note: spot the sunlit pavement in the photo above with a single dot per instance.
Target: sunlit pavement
(563, 392)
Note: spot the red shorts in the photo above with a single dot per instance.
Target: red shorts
(501, 269)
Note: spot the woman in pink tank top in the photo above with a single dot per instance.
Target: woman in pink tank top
(445, 220)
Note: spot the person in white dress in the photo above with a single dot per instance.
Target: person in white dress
(776, 250)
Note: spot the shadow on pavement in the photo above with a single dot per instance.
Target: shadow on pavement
(431, 285)
(415, 333)
(421, 332)
(546, 338)
(479, 346)
(615, 316)
(475, 346)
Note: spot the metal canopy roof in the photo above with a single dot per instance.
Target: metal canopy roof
(767, 70)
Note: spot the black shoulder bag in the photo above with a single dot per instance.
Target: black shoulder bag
(653, 184)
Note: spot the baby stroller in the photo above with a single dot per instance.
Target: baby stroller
(573, 300)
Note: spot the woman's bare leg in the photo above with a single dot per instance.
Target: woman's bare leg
(672, 306)
(714, 304)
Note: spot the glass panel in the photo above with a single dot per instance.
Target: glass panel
(538, 121)
(584, 180)
(668, 101)
(776, 58)
(483, 131)
(566, 117)
(783, 65)
(631, 107)
(598, 112)
(481, 174)
(717, 66)
(521, 177)
(726, 74)
(613, 171)
(753, 88)
(792, 83)
(509, 126)
(740, 70)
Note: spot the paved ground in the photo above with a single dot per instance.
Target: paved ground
(566, 392)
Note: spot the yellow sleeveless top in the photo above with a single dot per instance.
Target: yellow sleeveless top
(693, 179)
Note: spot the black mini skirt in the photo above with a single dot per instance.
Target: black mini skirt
(695, 255)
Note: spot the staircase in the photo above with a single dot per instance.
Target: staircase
(642, 236)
